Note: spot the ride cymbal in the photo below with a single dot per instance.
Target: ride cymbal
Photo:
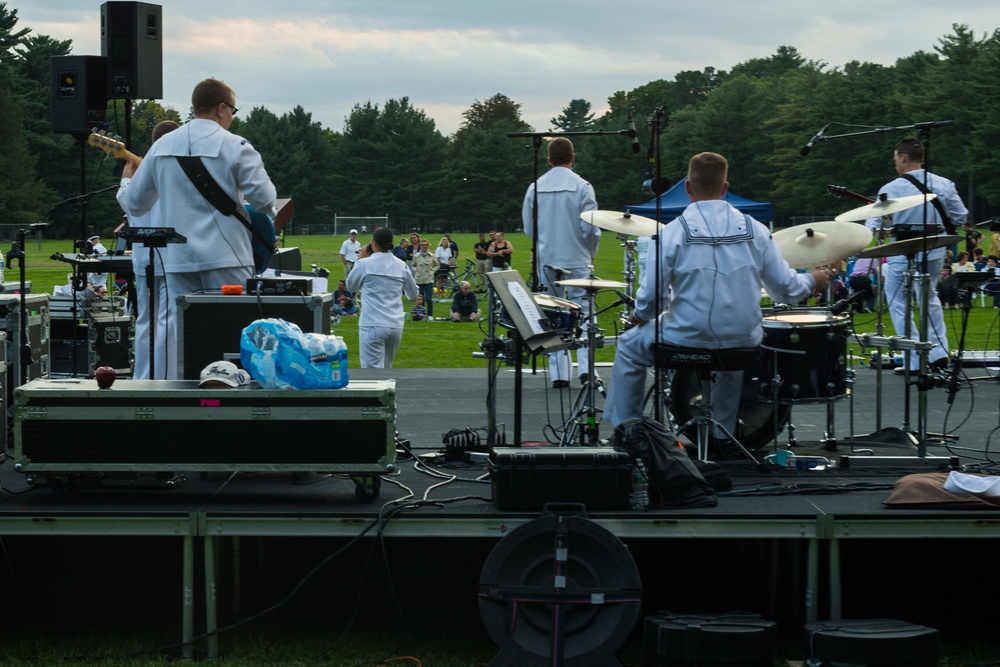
(887, 207)
(622, 223)
(820, 243)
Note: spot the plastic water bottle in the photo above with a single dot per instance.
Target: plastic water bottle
(338, 370)
(640, 486)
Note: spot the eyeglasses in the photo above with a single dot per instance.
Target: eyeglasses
(232, 108)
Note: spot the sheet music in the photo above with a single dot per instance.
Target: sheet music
(528, 307)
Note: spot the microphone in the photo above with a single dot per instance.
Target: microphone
(632, 133)
(559, 272)
(626, 299)
(818, 137)
(844, 304)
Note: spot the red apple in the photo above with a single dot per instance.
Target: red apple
(105, 376)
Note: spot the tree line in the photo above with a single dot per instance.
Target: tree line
(390, 159)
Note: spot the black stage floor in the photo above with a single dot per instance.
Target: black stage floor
(829, 516)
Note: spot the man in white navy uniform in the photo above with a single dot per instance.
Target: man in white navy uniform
(908, 158)
(564, 240)
(218, 250)
(384, 278)
(712, 262)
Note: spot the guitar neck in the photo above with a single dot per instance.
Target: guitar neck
(841, 191)
(113, 147)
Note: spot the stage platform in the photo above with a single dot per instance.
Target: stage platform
(808, 517)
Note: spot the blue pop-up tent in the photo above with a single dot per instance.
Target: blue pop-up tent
(675, 200)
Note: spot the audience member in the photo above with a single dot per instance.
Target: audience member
(418, 313)
(465, 307)
(500, 252)
(343, 300)
(424, 265)
(349, 252)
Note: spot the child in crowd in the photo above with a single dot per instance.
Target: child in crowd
(418, 312)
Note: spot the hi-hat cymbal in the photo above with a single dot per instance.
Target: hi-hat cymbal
(818, 243)
(887, 207)
(591, 284)
(622, 223)
(911, 246)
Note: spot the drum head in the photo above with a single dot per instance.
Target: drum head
(802, 318)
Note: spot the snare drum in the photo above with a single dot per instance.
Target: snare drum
(807, 351)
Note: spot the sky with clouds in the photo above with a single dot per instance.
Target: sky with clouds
(327, 55)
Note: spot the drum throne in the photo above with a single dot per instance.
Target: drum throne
(706, 363)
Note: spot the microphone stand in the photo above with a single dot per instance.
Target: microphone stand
(654, 155)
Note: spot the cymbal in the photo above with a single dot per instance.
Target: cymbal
(622, 223)
(546, 301)
(591, 284)
(887, 207)
(911, 246)
(818, 243)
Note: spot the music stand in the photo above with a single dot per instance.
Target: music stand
(531, 328)
(152, 238)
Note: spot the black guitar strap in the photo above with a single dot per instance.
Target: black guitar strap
(217, 197)
(949, 226)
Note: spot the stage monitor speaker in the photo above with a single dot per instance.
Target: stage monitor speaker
(132, 39)
(79, 93)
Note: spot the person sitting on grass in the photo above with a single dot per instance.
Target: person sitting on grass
(418, 313)
(465, 307)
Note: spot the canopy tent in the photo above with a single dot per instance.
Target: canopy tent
(675, 200)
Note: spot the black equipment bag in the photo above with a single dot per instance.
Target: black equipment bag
(674, 481)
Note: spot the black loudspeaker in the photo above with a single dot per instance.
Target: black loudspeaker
(132, 39)
(79, 93)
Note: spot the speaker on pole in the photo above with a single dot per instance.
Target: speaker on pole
(132, 39)
(79, 93)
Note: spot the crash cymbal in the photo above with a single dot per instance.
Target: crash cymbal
(546, 301)
(880, 208)
(819, 243)
(911, 246)
(591, 283)
(622, 223)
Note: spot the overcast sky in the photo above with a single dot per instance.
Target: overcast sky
(328, 55)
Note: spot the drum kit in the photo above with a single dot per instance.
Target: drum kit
(803, 356)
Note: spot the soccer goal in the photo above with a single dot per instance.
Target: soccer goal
(343, 224)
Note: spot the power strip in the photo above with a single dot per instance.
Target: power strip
(290, 286)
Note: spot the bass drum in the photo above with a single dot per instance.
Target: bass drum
(755, 426)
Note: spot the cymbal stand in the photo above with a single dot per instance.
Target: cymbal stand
(584, 405)
(628, 271)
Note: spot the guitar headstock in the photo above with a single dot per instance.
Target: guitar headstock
(841, 191)
(111, 145)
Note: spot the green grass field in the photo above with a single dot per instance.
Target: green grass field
(450, 345)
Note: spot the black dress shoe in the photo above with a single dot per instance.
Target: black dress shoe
(560, 384)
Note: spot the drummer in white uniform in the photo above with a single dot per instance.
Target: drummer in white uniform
(712, 261)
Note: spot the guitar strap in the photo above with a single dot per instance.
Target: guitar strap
(217, 197)
(949, 226)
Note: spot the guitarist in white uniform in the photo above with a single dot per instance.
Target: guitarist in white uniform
(218, 250)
